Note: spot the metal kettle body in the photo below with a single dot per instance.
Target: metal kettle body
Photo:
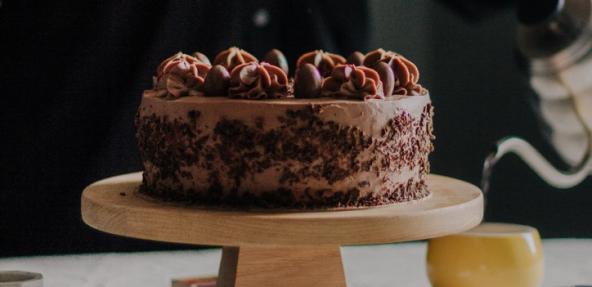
(555, 46)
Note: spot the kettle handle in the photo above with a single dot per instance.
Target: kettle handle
(542, 167)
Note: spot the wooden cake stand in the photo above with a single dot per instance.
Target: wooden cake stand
(280, 248)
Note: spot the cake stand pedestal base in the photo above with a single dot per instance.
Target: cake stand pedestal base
(285, 248)
(252, 266)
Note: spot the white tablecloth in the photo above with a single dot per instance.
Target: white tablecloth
(567, 262)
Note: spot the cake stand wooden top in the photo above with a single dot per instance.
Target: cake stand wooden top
(113, 205)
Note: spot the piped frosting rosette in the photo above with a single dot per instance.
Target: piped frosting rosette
(405, 72)
(232, 57)
(353, 82)
(179, 76)
(258, 81)
(325, 62)
(236, 73)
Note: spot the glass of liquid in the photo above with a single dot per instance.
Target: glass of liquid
(490, 255)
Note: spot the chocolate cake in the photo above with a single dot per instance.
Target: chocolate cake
(240, 132)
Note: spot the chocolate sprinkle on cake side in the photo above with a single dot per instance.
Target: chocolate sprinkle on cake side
(300, 147)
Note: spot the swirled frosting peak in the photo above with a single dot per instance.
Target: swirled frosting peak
(405, 72)
(232, 57)
(180, 75)
(354, 82)
(258, 81)
(323, 61)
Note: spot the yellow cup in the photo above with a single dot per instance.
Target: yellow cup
(489, 255)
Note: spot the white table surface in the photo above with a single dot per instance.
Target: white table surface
(567, 262)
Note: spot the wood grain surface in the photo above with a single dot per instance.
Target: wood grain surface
(291, 266)
(113, 205)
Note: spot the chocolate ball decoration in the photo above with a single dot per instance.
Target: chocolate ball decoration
(217, 82)
(356, 58)
(277, 58)
(387, 77)
(307, 82)
(202, 58)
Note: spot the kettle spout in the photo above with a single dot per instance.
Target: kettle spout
(542, 167)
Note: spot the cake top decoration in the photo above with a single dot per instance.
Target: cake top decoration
(180, 75)
(387, 77)
(405, 72)
(308, 82)
(217, 82)
(258, 81)
(236, 73)
(232, 57)
(277, 58)
(356, 58)
(323, 61)
(353, 82)
(202, 58)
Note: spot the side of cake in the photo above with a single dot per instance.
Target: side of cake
(343, 133)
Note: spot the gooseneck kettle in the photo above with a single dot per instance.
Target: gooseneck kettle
(554, 40)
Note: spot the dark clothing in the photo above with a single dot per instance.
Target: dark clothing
(71, 80)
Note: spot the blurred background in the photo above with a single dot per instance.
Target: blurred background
(72, 75)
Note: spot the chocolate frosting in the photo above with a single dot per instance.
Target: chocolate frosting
(285, 152)
(354, 82)
(232, 57)
(258, 81)
(325, 62)
(180, 75)
(405, 72)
